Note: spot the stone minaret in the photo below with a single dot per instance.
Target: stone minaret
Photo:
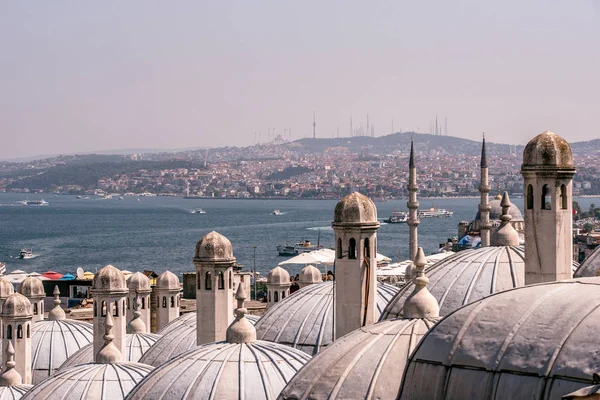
(17, 319)
(33, 289)
(355, 225)
(278, 286)
(139, 285)
(109, 291)
(214, 262)
(167, 298)
(413, 205)
(484, 205)
(547, 173)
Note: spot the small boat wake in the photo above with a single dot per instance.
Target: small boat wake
(320, 228)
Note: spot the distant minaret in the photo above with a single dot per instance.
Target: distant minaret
(314, 126)
(413, 205)
(368, 130)
(446, 126)
(436, 130)
(351, 131)
(484, 206)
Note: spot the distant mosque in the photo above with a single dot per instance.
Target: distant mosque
(505, 320)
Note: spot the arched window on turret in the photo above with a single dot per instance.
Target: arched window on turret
(198, 281)
(340, 254)
(269, 297)
(230, 279)
(276, 296)
(283, 295)
(95, 310)
(19, 332)
(9, 332)
(352, 249)
(367, 249)
(128, 305)
(103, 309)
(221, 280)
(529, 197)
(28, 332)
(143, 303)
(208, 281)
(123, 303)
(34, 308)
(172, 301)
(546, 198)
(164, 302)
(563, 197)
(116, 309)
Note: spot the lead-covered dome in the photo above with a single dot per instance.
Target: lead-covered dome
(214, 247)
(278, 276)
(32, 287)
(13, 392)
(139, 282)
(53, 342)
(536, 342)
(6, 288)
(168, 281)
(590, 266)
(91, 381)
(496, 212)
(355, 208)
(109, 279)
(548, 150)
(304, 320)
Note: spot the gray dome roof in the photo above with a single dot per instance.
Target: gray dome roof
(91, 381)
(178, 336)
(13, 392)
(365, 364)
(139, 282)
(214, 247)
(136, 344)
(32, 287)
(537, 342)
(279, 276)
(355, 208)
(6, 288)
(547, 150)
(16, 305)
(590, 266)
(109, 279)
(467, 276)
(496, 212)
(167, 280)
(224, 370)
(53, 342)
(304, 320)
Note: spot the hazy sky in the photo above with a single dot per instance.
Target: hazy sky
(80, 76)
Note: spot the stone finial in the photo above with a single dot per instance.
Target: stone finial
(136, 325)
(506, 234)
(57, 313)
(10, 376)
(484, 160)
(421, 303)
(108, 354)
(240, 330)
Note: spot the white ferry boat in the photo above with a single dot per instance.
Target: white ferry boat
(276, 212)
(26, 254)
(397, 217)
(435, 213)
(303, 246)
(28, 202)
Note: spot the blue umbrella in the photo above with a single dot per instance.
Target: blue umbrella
(67, 277)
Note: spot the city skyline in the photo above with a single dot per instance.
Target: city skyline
(88, 78)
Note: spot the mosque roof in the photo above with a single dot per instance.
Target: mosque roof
(53, 342)
(537, 341)
(13, 392)
(304, 320)
(496, 212)
(590, 266)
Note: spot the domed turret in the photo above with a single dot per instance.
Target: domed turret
(167, 280)
(279, 276)
(355, 208)
(167, 296)
(109, 279)
(33, 289)
(6, 289)
(138, 282)
(16, 319)
(548, 150)
(278, 286)
(309, 276)
(214, 247)
(139, 286)
(16, 305)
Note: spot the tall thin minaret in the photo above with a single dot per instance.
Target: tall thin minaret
(314, 126)
(413, 205)
(436, 130)
(351, 129)
(368, 130)
(484, 205)
(445, 126)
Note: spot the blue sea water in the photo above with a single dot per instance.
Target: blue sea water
(160, 233)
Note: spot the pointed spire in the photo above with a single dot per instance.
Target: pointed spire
(421, 303)
(108, 354)
(10, 376)
(136, 325)
(484, 163)
(411, 161)
(241, 330)
(506, 234)
(57, 313)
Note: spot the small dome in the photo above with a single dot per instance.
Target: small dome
(278, 276)
(304, 320)
(168, 281)
(505, 234)
(136, 345)
(214, 247)
(13, 392)
(16, 305)
(138, 282)
(256, 370)
(53, 342)
(310, 275)
(355, 208)
(32, 287)
(109, 279)
(367, 363)
(6, 288)
(590, 266)
(547, 150)
(91, 381)
(536, 342)
(496, 212)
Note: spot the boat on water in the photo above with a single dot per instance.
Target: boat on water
(303, 246)
(397, 217)
(198, 211)
(26, 254)
(276, 212)
(435, 213)
(28, 202)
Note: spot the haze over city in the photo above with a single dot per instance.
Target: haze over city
(83, 77)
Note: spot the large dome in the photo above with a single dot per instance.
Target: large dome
(304, 320)
(496, 212)
(467, 276)
(547, 150)
(53, 342)
(178, 336)
(136, 345)
(91, 381)
(224, 370)
(536, 342)
(590, 266)
(367, 363)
